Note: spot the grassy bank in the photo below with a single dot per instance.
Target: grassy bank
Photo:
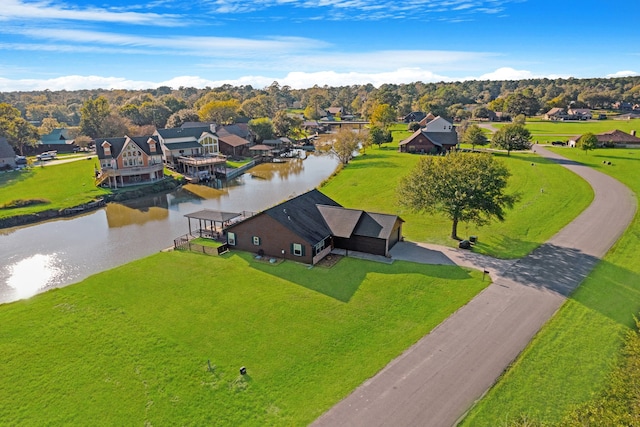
(570, 359)
(551, 197)
(132, 345)
(61, 186)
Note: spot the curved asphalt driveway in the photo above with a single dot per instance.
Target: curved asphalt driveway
(437, 380)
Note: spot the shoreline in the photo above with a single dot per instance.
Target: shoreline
(166, 185)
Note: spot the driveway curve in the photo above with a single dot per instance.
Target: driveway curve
(437, 380)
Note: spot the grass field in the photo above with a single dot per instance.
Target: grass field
(64, 185)
(551, 197)
(131, 346)
(568, 362)
(545, 131)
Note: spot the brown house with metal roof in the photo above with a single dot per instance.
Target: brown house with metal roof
(438, 136)
(307, 227)
(613, 138)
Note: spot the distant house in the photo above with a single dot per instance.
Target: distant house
(501, 116)
(426, 119)
(233, 145)
(627, 116)
(7, 155)
(335, 111)
(414, 116)
(437, 136)
(58, 140)
(307, 227)
(129, 160)
(556, 113)
(187, 142)
(623, 106)
(614, 138)
(239, 129)
(579, 114)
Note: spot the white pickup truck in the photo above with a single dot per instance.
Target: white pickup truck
(47, 155)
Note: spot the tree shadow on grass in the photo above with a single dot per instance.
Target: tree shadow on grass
(552, 267)
(14, 177)
(343, 280)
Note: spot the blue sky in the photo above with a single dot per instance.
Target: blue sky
(137, 44)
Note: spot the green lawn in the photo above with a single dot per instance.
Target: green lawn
(551, 197)
(545, 131)
(131, 346)
(568, 362)
(64, 185)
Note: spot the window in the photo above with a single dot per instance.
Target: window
(209, 145)
(231, 239)
(319, 247)
(132, 154)
(256, 240)
(297, 249)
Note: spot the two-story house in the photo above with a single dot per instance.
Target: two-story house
(437, 136)
(129, 160)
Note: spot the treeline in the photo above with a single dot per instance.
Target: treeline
(98, 113)
(154, 106)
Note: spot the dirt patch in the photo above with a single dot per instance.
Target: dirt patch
(329, 261)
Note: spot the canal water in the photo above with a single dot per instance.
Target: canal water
(61, 252)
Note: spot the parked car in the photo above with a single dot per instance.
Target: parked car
(21, 160)
(47, 155)
(558, 143)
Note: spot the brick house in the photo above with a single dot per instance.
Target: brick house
(307, 227)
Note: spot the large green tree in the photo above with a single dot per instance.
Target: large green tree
(94, 112)
(467, 187)
(178, 118)
(220, 112)
(262, 127)
(285, 124)
(378, 135)
(587, 142)
(345, 144)
(383, 115)
(474, 136)
(18, 131)
(512, 137)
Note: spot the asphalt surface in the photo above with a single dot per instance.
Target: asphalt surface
(438, 379)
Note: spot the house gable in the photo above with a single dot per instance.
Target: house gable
(438, 125)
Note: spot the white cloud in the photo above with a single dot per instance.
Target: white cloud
(296, 80)
(365, 10)
(623, 74)
(12, 10)
(198, 46)
(507, 73)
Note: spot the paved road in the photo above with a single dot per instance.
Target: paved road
(437, 380)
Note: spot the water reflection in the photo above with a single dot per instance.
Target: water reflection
(31, 275)
(122, 232)
(119, 215)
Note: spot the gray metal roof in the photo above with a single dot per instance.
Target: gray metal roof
(212, 215)
(6, 150)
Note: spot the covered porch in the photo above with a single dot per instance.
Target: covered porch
(210, 223)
